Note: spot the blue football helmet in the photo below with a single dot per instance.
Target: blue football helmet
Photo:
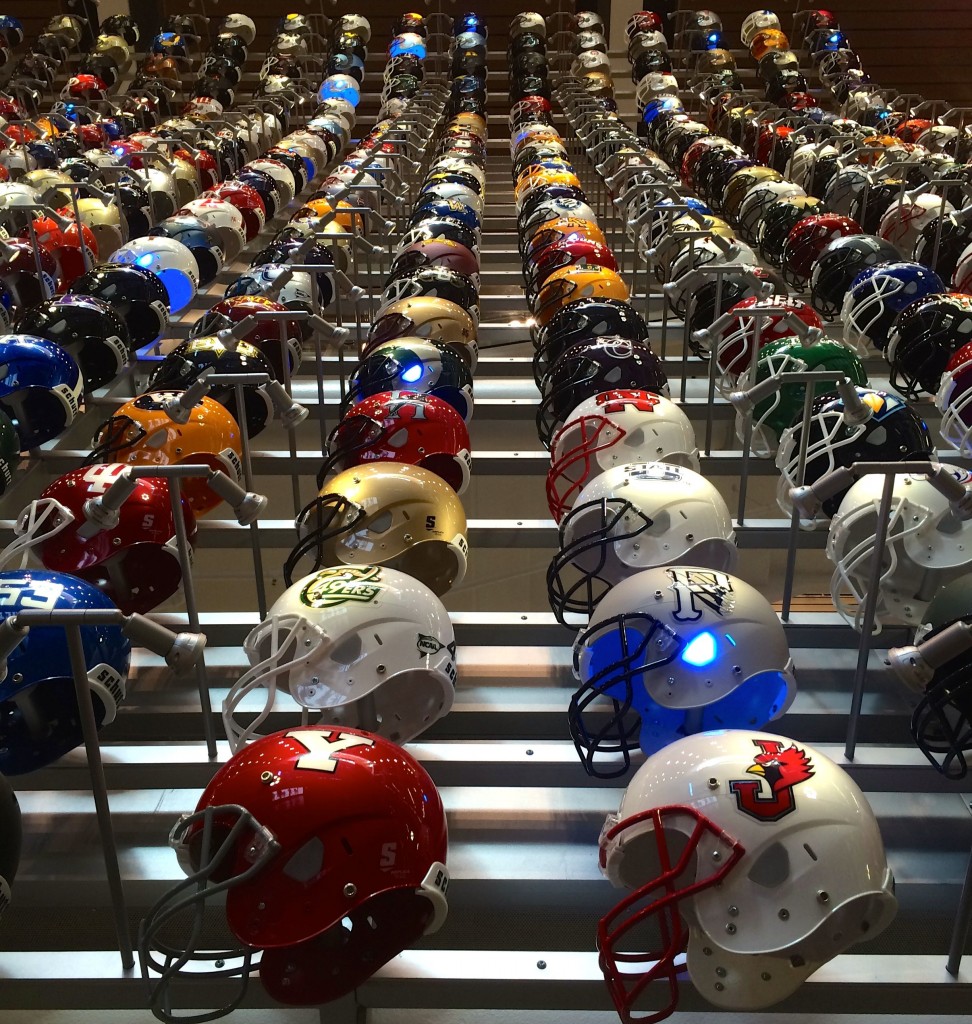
(40, 389)
(39, 718)
(878, 294)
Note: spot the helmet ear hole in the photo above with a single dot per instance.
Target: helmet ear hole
(348, 651)
(772, 868)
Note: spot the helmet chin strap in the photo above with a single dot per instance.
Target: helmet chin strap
(40, 520)
(266, 673)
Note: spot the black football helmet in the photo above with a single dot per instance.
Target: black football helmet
(924, 336)
(138, 295)
(838, 265)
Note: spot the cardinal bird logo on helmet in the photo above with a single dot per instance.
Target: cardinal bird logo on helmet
(781, 769)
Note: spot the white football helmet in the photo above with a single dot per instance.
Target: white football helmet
(612, 429)
(926, 547)
(759, 854)
(368, 646)
(904, 220)
(224, 218)
(635, 517)
(171, 261)
(672, 651)
(757, 21)
(655, 85)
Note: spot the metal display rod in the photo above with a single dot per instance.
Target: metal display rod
(103, 513)
(181, 651)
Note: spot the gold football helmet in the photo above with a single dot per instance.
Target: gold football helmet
(385, 513)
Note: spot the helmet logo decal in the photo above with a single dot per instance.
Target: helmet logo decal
(331, 587)
(426, 644)
(697, 587)
(618, 401)
(321, 749)
(781, 768)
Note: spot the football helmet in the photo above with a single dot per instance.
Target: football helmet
(222, 217)
(571, 283)
(583, 320)
(757, 21)
(721, 820)
(615, 428)
(430, 318)
(39, 678)
(903, 222)
(199, 355)
(135, 562)
(265, 336)
(141, 433)
(41, 387)
(779, 218)
(413, 364)
(386, 513)
(954, 401)
(923, 337)
(402, 426)
(171, 261)
(437, 282)
(807, 240)
(344, 642)
(591, 367)
(891, 432)
(737, 344)
(839, 265)
(878, 294)
(675, 650)
(357, 792)
(940, 722)
(91, 330)
(437, 252)
(773, 415)
(633, 517)
(567, 253)
(137, 295)
(926, 547)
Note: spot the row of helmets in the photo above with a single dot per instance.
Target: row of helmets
(361, 634)
(883, 298)
(759, 331)
(130, 565)
(678, 656)
(106, 315)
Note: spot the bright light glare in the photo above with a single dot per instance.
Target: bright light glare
(412, 373)
(700, 651)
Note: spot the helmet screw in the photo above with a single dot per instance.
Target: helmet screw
(716, 856)
(766, 975)
(736, 670)
(307, 642)
(218, 964)
(541, 965)
(658, 595)
(707, 950)
(350, 889)
(730, 929)
(784, 914)
(261, 906)
(823, 896)
(721, 972)
(407, 538)
(734, 911)
(719, 986)
(116, 541)
(380, 670)
(713, 783)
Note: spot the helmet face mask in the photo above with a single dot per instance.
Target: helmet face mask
(634, 517)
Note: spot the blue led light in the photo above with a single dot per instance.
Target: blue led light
(145, 261)
(412, 373)
(700, 651)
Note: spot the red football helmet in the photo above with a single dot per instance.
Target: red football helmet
(741, 342)
(18, 271)
(566, 253)
(402, 426)
(93, 136)
(64, 244)
(807, 240)
(247, 200)
(329, 844)
(135, 562)
(265, 336)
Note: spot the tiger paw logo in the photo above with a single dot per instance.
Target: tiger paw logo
(781, 769)
(331, 587)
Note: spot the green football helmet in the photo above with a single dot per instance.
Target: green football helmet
(784, 408)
